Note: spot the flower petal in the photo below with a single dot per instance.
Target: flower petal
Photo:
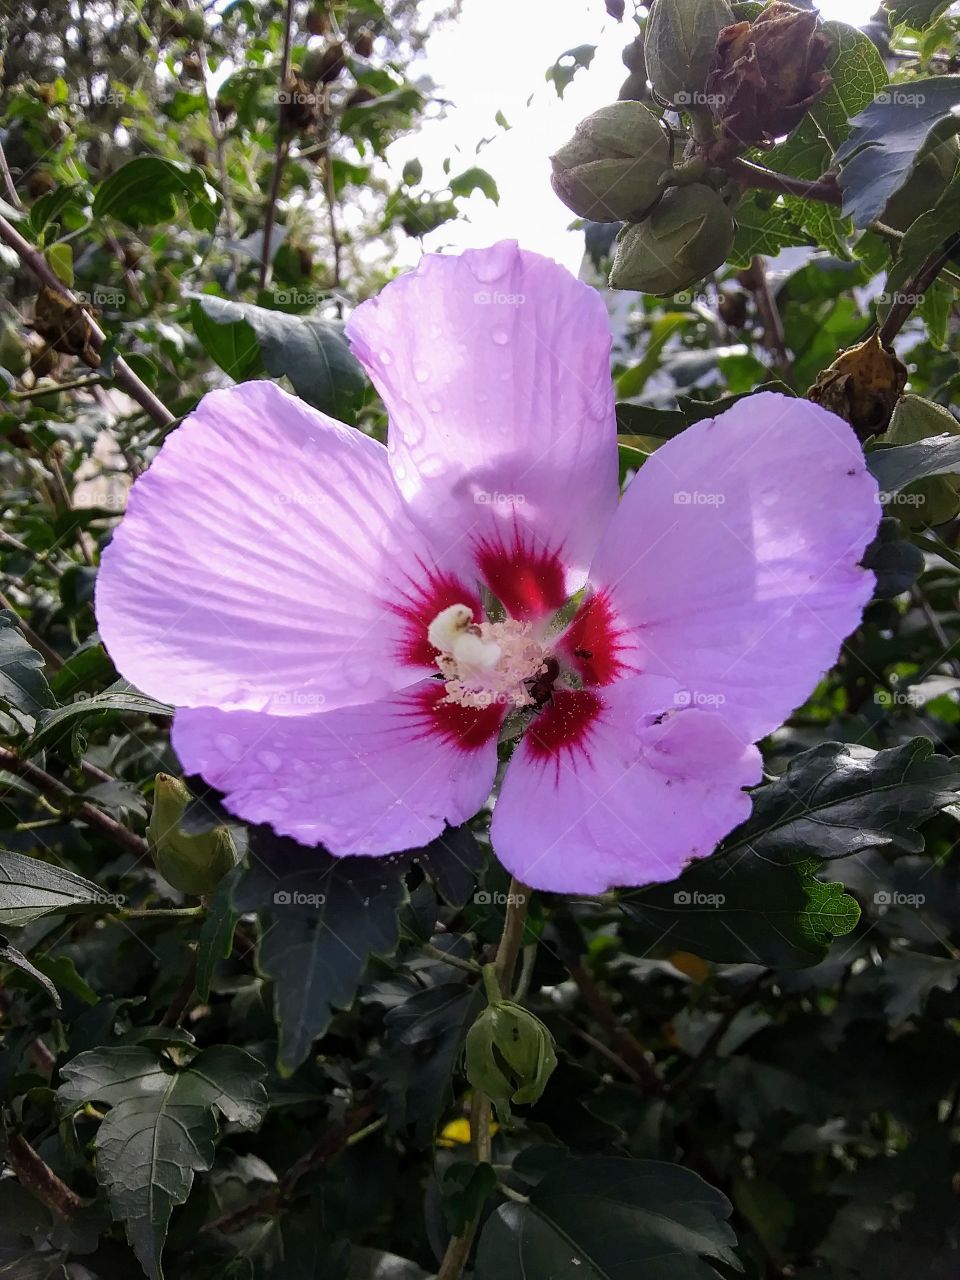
(620, 787)
(266, 561)
(495, 368)
(732, 564)
(360, 780)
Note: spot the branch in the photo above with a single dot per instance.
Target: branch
(124, 376)
(38, 1178)
(754, 280)
(280, 156)
(628, 1047)
(824, 189)
(64, 799)
(518, 904)
(913, 291)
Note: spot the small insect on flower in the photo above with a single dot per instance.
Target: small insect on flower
(312, 602)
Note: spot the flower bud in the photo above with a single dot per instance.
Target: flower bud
(509, 1055)
(689, 233)
(679, 44)
(862, 386)
(609, 170)
(767, 73)
(192, 864)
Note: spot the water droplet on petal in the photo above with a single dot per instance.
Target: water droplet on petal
(270, 760)
(500, 335)
(421, 373)
(228, 746)
(386, 357)
(435, 404)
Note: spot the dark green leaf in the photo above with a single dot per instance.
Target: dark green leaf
(148, 190)
(330, 915)
(216, 935)
(161, 1127)
(895, 561)
(120, 698)
(10, 955)
(23, 686)
(899, 466)
(858, 74)
(475, 179)
(602, 1218)
(882, 149)
(308, 350)
(30, 889)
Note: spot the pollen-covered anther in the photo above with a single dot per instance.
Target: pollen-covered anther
(485, 662)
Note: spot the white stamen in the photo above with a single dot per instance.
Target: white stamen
(485, 662)
(448, 625)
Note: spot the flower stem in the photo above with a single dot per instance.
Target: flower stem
(504, 965)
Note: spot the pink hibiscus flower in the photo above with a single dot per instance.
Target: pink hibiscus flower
(347, 630)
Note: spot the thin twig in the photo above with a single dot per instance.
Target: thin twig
(751, 175)
(626, 1045)
(755, 280)
(123, 375)
(64, 799)
(37, 1176)
(913, 291)
(8, 181)
(518, 904)
(280, 155)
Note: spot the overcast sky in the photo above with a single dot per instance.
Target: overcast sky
(493, 59)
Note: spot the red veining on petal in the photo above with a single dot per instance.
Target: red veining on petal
(464, 728)
(418, 607)
(566, 723)
(527, 581)
(593, 642)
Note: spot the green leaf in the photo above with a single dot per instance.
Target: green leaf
(602, 1218)
(23, 686)
(897, 466)
(917, 13)
(30, 889)
(148, 191)
(475, 179)
(765, 226)
(424, 1040)
(232, 344)
(884, 144)
(161, 1127)
(10, 955)
(841, 798)
(329, 915)
(745, 910)
(311, 352)
(120, 698)
(858, 74)
(216, 934)
(568, 64)
(893, 559)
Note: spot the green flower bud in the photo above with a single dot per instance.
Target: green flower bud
(609, 170)
(192, 864)
(689, 233)
(509, 1055)
(679, 44)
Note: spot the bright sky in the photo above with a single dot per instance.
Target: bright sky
(494, 59)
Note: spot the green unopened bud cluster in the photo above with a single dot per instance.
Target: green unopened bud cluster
(509, 1052)
(679, 46)
(611, 168)
(194, 864)
(688, 234)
